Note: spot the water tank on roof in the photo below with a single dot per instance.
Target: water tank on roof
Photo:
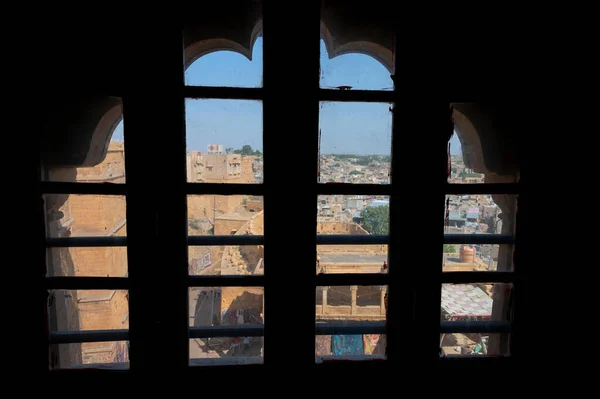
(467, 254)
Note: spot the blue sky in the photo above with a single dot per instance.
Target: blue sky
(455, 147)
(358, 128)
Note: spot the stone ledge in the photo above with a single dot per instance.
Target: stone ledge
(102, 366)
(97, 298)
(227, 361)
(357, 358)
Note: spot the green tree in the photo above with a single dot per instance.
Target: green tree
(376, 219)
(247, 150)
(356, 172)
(362, 161)
(449, 248)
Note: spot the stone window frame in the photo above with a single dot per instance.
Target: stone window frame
(219, 44)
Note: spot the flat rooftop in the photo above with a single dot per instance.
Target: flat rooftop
(237, 216)
(351, 258)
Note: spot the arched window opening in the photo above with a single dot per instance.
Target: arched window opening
(473, 159)
(351, 69)
(481, 150)
(227, 68)
(221, 227)
(90, 152)
(224, 144)
(354, 146)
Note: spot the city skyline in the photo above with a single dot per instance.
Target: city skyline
(346, 127)
(455, 144)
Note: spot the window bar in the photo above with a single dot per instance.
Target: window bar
(69, 337)
(226, 240)
(86, 283)
(47, 317)
(447, 327)
(354, 189)
(461, 277)
(400, 295)
(356, 95)
(70, 242)
(231, 93)
(351, 239)
(157, 265)
(516, 345)
(49, 187)
(351, 328)
(243, 330)
(352, 279)
(439, 129)
(478, 239)
(173, 228)
(226, 281)
(482, 188)
(290, 92)
(141, 230)
(224, 189)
